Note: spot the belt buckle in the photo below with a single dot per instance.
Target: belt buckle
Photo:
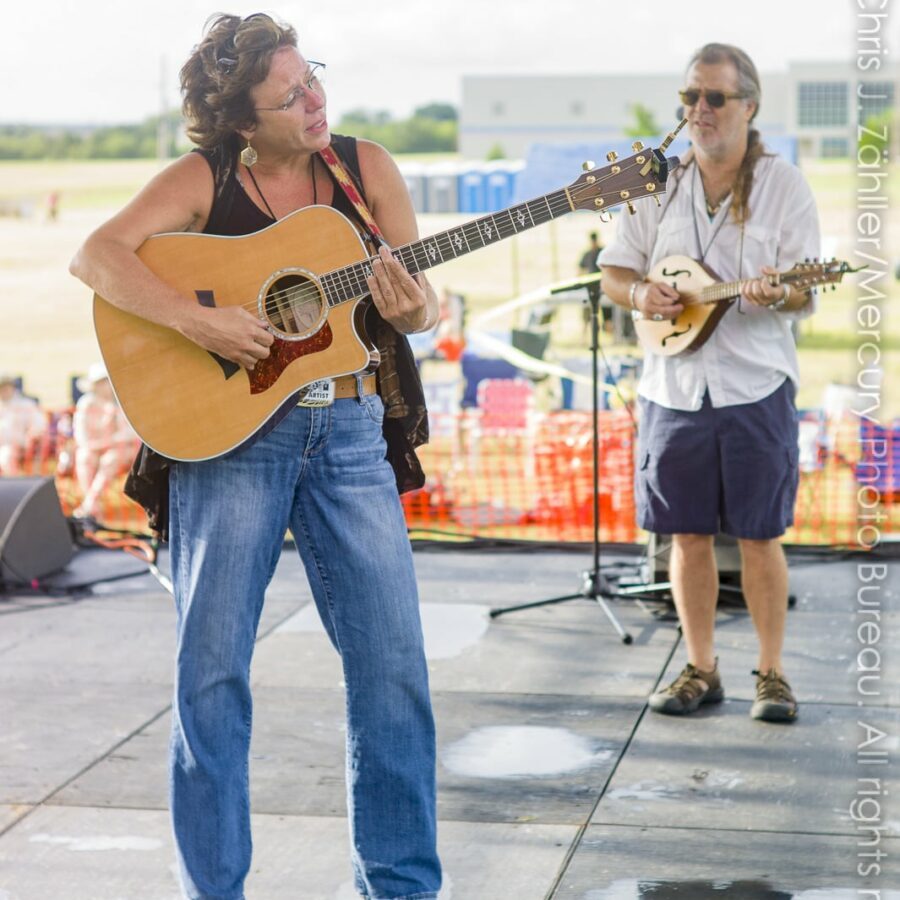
(318, 394)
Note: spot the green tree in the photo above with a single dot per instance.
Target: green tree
(877, 132)
(644, 123)
(417, 134)
(440, 112)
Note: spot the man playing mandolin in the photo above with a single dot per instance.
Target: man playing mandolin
(256, 107)
(718, 444)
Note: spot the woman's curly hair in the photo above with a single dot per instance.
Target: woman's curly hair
(233, 56)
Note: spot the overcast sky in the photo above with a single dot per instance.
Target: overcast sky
(79, 61)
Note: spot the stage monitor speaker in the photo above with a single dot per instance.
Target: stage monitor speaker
(728, 558)
(35, 539)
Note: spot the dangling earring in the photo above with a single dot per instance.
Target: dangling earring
(249, 156)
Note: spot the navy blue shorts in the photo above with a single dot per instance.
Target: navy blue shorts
(731, 470)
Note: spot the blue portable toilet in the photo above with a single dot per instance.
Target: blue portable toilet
(472, 189)
(501, 183)
(442, 188)
(414, 176)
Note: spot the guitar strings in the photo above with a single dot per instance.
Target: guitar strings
(310, 289)
(345, 277)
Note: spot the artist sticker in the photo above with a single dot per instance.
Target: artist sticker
(319, 393)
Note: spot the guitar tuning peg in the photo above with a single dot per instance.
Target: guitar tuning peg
(612, 156)
(587, 165)
(630, 207)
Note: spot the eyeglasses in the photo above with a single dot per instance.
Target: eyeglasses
(716, 99)
(314, 82)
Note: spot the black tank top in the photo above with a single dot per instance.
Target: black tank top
(234, 213)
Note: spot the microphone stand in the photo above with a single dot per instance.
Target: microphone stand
(591, 588)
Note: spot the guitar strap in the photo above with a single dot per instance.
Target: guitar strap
(349, 187)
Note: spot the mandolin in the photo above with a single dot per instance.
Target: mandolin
(305, 277)
(706, 299)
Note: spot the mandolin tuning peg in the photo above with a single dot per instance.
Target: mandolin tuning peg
(605, 217)
(587, 165)
(612, 156)
(637, 146)
(656, 198)
(630, 206)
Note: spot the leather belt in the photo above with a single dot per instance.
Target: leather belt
(345, 386)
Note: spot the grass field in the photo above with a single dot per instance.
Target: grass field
(47, 334)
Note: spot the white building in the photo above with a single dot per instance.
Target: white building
(814, 102)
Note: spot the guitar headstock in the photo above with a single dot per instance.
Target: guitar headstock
(643, 174)
(813, 273)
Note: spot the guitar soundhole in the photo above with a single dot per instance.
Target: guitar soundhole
(293, 306)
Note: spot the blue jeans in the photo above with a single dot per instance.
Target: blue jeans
(323, 473)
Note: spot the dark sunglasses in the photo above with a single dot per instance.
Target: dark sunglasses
(716, 99)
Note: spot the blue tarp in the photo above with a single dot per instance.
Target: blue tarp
(549, 167)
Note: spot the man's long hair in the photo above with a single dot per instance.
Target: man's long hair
(234, 55)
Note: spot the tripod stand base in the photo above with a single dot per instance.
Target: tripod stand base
(590, 590)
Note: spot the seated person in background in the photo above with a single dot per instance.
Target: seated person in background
(449, 336)
(104, 441)
(21, 420)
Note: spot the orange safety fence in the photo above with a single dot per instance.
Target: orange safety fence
(529, 476)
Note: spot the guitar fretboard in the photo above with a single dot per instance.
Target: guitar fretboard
(349, 282)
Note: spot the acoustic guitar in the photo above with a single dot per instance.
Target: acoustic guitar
(305, 277)
(706, 299)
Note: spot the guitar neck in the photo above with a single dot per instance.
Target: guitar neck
(349, 282)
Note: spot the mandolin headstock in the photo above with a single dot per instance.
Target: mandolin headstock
(813, 273)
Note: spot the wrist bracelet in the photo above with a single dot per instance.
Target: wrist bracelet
(631, 292)
(784, 298)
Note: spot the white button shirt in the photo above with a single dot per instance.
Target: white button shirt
(751, 351)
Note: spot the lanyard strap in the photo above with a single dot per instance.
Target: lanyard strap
(726, 210)
(348, 186)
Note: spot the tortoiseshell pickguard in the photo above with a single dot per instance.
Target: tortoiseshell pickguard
(267, 371)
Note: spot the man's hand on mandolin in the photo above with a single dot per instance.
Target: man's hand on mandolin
(657, 301)
(762, 292)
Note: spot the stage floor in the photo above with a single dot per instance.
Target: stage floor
(554, 779)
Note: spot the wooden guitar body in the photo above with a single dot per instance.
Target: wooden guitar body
(690, 330)
(189, 404)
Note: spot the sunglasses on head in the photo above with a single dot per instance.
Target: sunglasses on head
(716, 99)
